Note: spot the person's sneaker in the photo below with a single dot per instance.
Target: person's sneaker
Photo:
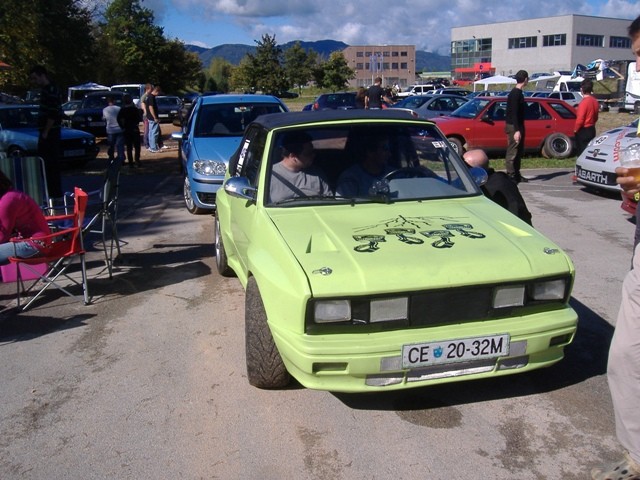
(150, 150)
(164, 147)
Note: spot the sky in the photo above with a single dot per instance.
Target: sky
(423, 23)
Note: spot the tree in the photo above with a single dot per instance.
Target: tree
(299, 64)
(45, 32)
(219, 75)
(336, 72)
(265, 71)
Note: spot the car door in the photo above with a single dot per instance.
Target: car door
(248, 163)
(488, 128)
(538, 124)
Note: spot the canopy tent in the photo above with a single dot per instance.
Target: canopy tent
(77, 92)
(495, 80)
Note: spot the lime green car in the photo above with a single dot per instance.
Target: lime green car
(372, 261)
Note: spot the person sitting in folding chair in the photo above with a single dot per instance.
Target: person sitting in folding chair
(20, 216)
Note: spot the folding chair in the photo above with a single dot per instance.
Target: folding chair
(28, 175)
(102, 213)
(60, 251)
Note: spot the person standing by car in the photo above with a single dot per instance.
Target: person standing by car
(361, 96)
(129, 118)
(49, 125)
(153, 119)
(514, 127)
(145, 122)
(115, 137)
(623, 370)
(375, 95)
(499, 186)
(587, 116)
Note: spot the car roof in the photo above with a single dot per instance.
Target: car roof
(240, 98)
(278, 120)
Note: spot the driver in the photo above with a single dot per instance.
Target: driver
(357, 180)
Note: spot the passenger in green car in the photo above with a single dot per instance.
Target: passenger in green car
(295, 175)
(357, 180)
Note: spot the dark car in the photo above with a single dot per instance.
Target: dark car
(335, 101)
(19, 134)
(429, 106)
(169, 108)
(89, 116)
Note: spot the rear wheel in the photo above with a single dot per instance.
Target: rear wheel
(221, 254)
(265, 368)
(557, 145)
(188, 199)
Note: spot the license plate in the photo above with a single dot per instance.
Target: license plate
(73, 153)
(163, 115)
(452, 351)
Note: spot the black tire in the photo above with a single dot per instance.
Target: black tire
(456, 144)
(636, 108)
(221, 254)
(557, 145)
(265, 368)
(188, 199)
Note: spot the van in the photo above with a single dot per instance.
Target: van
(136, 90)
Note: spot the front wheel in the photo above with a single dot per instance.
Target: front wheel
(456, 144)
(221, 254)
(265, 368)
(188, 199)
(557, 145)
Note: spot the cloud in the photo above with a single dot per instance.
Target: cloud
(426, 24)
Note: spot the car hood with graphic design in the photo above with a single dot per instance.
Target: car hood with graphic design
(410, 246)
(596, 166)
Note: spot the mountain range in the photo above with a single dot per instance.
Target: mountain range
(233, 53)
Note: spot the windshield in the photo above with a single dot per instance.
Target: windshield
(100, 101)
(230, 120)
(470, 109)
(388, 162)
(18, 118)
(134, 90)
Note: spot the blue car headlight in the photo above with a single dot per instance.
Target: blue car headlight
(209, 167)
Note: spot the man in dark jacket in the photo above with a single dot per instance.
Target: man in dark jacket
(499, 187)
(514, 127)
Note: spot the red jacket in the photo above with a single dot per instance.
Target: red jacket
(587, 113)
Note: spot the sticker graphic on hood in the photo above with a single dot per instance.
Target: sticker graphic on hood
(441, 230)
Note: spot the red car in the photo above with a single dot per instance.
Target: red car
(480, 124)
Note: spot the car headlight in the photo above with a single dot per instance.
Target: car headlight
(363, 312)
(549, 290)
(209, 167)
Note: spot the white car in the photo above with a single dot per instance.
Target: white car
(417, 90)
(572, 98)
(595, 167)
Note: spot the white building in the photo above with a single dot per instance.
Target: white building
(540, 45)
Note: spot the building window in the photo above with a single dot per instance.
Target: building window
(403, 54)
(359, 54)
(394, 66)
(619, 42)
(584, 40)
(554, 40)
(523, 42)
(394, 54)
(404, 66)
(359, 66)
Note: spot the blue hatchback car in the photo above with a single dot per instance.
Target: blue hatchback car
(209, 138)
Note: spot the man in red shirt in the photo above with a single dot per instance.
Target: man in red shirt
(585, 127)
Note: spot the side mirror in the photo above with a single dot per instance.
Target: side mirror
(239, 187)
(479, 175)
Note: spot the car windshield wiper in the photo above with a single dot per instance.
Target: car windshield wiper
(314, 198)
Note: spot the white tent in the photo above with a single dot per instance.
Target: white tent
(495, 80)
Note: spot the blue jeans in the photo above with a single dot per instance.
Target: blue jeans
(18, 249)
(116, 142)
(154, 131)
